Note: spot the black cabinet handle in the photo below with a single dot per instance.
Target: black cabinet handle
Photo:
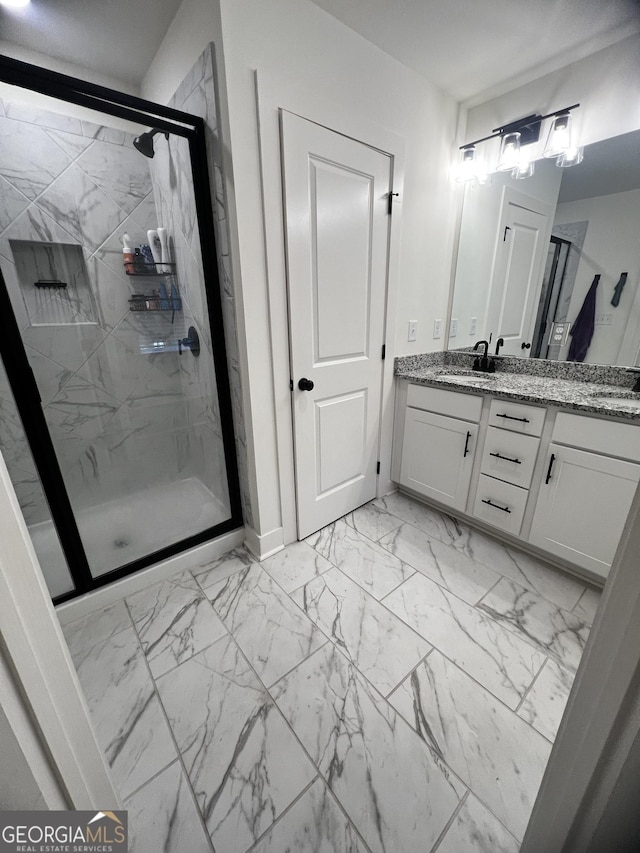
(551, 461)
(305, 384)
(466, 445)
(511, 418)
(506, 458)
(496, 506)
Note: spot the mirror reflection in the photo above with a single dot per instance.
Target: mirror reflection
(552, 263)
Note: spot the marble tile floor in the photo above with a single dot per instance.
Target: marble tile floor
(393, 684)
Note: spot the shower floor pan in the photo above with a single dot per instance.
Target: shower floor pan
(120, 531)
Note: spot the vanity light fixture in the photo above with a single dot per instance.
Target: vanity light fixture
(523, 132)
(15, 4)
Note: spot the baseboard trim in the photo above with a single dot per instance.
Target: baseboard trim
(196, 557)
(264, 546)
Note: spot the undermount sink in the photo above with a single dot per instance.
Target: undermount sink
(466, 379)
(627, 402)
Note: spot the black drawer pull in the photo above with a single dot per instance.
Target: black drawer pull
(506, 458)
(466, 445)
(511, 418)
(496, 506)
(551, 461)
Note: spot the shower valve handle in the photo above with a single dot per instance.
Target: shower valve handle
(192, 342)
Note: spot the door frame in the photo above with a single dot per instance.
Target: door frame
(269, 104)
(21, 379)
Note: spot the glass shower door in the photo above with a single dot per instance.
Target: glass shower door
(120, 342)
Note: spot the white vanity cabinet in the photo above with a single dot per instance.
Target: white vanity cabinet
(439, 442)
(508, 460)
(590, 476)
(560, 482)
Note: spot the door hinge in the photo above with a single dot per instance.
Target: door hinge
(291, 385)
(378, 467)
(384, 351)
(390, 201)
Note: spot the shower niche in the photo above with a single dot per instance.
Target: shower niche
(54, 283)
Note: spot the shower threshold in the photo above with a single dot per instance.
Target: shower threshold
(120, 531)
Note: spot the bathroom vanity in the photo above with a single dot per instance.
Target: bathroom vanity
(548, 463)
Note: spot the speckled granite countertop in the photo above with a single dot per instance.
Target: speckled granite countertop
(599, 398)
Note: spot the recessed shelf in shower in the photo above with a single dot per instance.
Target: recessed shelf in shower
(54, 283)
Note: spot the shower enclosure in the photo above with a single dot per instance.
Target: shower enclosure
(115, 414)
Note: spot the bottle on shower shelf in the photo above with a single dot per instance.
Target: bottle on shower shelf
(127, 254)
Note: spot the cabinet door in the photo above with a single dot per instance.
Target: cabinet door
(437, 456)
(582, 508)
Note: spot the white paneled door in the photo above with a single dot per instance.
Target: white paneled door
(521, 249)
(337, 228)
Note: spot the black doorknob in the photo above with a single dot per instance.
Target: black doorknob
(305, 385)
(525, 346)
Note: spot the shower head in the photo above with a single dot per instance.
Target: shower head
(144, 142)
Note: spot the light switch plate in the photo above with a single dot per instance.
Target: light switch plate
(437, 329)
(474, 326)
(413, 330)
(453, 328)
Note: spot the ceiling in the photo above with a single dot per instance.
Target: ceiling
(466, 47)
(469, 47)
(117, 38)
(610, 166)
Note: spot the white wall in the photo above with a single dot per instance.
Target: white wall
(610, 248)
(307, 61)
(605, 85)
(19, 789)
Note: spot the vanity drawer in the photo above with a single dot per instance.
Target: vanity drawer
(509, 456)
(517, 417)
(455, 404)
(601, 435)
(500, 504)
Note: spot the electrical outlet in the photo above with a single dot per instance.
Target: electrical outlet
(453, 328)
(413, 330)
(605, 319)
(474, 326)
(437, 329)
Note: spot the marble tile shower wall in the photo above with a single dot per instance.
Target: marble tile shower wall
(111, 410)
(197, 95)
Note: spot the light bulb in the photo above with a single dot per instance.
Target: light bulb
(509, 152)
(559, 139)
(571, 157)
(15, 4)
(468, 166)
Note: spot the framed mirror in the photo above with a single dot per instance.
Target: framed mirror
(530, 251)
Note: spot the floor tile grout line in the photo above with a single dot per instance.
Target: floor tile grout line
(363, 591)
(198, 592)
(476, 794)
(451, 820)
(261, 838)
(507, 546)
(267, 691)
(507, 625)
(180, 758)
(409, 674)
(530, 688)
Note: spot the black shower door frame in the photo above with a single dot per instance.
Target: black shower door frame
(14, 356)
